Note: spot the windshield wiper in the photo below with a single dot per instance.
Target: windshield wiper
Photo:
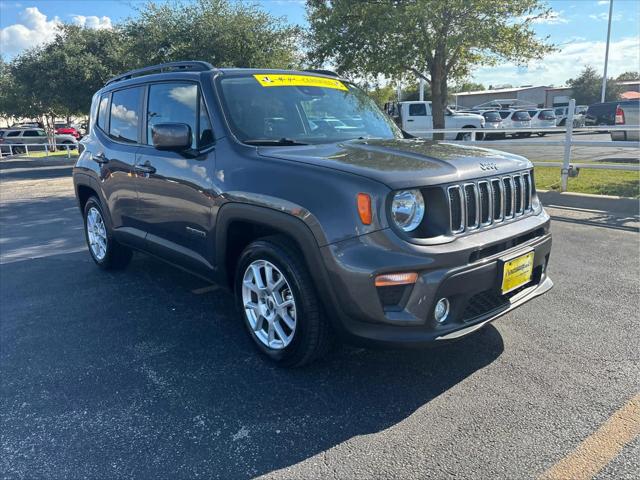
(272, 141)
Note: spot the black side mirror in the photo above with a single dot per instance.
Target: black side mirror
(171, 136)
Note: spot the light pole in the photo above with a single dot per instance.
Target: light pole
(606, 54)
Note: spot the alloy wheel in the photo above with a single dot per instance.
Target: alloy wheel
(269, 304)
(96, 233)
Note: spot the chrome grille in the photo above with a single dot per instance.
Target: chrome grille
(471, 205)
(481, 203)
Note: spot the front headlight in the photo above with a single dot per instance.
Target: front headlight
(407, 209)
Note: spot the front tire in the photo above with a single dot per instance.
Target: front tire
(105, 251)
(278, 303)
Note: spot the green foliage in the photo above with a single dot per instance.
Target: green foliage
(468, 87)
(432, 39)
(587, 87)
(382, 95)
(626, 76)
(59, 79)
(224, 33)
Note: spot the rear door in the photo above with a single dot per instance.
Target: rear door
(175, 188)
(33, 137)
(118, 132)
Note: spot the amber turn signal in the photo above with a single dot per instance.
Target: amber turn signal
(391, 279)
(364, 208)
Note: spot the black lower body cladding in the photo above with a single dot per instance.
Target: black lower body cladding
(467, 272)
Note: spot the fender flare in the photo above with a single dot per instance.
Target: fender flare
(289, 225)
(84, 180)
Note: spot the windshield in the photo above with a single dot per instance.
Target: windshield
(293, 109)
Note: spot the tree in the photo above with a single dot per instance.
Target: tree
(224, 33)
(587, 87)
(431, 39)
(382, 95)
(468, 87)
(626, 76)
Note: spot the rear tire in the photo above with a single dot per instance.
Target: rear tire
(271, 272)
(104, 249)
(541, 134)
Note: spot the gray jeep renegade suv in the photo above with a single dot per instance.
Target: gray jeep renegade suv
(294, 190)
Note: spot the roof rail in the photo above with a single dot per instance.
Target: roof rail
(190, 66)
(321, 71)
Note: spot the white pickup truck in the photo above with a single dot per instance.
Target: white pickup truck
(416, 118)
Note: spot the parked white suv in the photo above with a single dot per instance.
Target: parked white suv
(18, 140)
(416, 118)
(544, 118)
(516, 119)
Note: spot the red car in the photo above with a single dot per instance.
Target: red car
(62, 128)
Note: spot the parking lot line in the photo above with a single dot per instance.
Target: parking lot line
(597, 450)
(207, 289)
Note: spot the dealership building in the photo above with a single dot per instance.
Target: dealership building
(542, 96)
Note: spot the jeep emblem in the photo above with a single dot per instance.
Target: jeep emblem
(488, 166)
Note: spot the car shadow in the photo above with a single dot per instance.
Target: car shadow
(132, 372)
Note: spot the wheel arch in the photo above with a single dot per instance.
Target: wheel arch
(240, 224)
(86, 187)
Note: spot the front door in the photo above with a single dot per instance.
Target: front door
(175, 188)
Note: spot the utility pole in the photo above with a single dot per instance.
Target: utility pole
(421, 89)
(606, 55)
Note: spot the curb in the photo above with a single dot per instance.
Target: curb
(606, 203)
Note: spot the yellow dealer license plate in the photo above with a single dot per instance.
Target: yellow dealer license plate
(517, 272)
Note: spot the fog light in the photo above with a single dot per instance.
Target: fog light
(441, 312)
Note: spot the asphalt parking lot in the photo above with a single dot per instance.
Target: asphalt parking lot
(147, 373)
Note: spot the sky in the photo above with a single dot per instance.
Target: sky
(577, 27)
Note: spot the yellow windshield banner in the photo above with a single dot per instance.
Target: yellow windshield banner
(287, 80)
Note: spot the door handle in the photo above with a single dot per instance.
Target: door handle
(410, 120)
(145, 168)
(100, 158)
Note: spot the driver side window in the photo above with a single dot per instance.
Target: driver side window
(417, 110)
(173, 103)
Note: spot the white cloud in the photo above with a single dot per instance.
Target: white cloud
(34, 29)
(603, 2)
(604, 16)
(557, 67)
(93, 22)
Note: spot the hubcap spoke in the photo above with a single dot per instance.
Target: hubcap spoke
(269, 304)
(96, 234)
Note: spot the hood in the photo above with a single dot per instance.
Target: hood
(404, 163)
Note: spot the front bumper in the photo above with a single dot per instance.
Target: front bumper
(466, 271)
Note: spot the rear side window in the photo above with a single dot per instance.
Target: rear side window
(173, 103)
(505, 114)
(13, 134)
(103, 112)
(521, 116)
(125, 119)
(417, 110)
